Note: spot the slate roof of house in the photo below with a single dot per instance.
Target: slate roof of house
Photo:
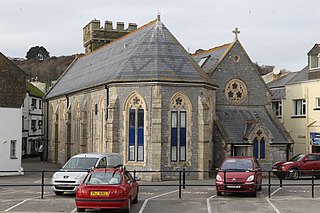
(12, 84)
(282, 81)
(34, 91)
(150, 53)
(301, 76)
(212, 56)
(234, 122)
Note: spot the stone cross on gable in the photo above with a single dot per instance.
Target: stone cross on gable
(236, 31)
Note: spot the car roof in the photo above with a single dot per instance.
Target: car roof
(240, 157)
(106, 170)
(94, 155)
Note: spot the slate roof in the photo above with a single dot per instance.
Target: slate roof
(212, 56)
(278, 93)
(301, 76)
(282, 81)
(12, 84)
(234, 122)
(150, 53)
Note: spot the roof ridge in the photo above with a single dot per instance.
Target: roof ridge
(212, 49)
(122, 37)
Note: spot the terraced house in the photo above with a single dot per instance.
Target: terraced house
(145, 97)
(12, 93)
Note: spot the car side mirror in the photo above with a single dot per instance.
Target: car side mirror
(137, 178)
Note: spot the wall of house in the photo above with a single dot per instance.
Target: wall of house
(11, 126)
(300, 127)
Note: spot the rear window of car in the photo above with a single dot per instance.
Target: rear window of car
(237, 164)
(81, 163)
(104, 178)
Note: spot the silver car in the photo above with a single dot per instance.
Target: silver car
(69, 177)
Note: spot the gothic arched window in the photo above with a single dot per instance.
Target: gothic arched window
(136, 131)
(178, 146)
(259, 146)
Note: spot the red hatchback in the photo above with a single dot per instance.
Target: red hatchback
(239, 174)
(107, 189)
(301, 164)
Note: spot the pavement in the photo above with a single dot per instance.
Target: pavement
(34, 163)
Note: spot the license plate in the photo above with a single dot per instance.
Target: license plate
(234, 187)
(274, 170)
(99, 193)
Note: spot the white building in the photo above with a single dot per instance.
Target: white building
(12, 93)
(32, 120)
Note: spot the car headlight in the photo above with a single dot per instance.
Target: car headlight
(250, 178)
(218, 178)
(54, 176)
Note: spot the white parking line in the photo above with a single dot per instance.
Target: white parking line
(18, 204)
(40, 181)
(273, 206)
(275, 192)
(146, 201)
(208, 203)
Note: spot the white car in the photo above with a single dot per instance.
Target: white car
(70, 176)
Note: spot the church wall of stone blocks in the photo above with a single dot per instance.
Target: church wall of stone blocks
(154, 126)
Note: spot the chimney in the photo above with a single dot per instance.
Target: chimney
(132, 26)
(108, 25)
(120, 26)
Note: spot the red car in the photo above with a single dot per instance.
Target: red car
(110, 188)
(243, 174)
(301, 164)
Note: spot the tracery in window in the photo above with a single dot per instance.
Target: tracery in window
(236, 91)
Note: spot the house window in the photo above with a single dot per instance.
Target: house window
(40, 104)
(178, 132)
(136, 132)
(300, 107)
(33, 103)
(13, 149)
(33, 125)
(318, 103)
(277, 108)
(314, 61)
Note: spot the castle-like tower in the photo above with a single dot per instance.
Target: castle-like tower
(95, 36)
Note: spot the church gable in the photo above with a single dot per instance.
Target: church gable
(237, 78)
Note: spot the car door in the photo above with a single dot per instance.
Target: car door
(309, 163)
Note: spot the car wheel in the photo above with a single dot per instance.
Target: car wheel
(58, 193)
(294, 174)
(81, 210)
(219, 193)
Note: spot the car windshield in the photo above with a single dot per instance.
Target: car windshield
(104, 178)
(297, 157)
(237, 164)
(81, 163)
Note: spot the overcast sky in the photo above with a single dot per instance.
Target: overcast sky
(273, 32)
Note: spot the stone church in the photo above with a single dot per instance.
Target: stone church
(145, 97)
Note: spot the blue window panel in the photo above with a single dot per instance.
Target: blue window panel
(255, 148)
(140, 127)
(174, 136)
(132, 127)
(262, 148)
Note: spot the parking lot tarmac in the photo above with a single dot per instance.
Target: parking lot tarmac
(194, 198)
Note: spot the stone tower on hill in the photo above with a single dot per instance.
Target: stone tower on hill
(95, 36)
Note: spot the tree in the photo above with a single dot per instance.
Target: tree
(37, 53)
